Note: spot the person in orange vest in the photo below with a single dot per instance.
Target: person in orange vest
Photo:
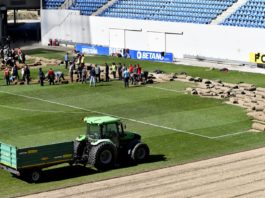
(131, 69)
(7, 75)
(113, 70)
(51, 76)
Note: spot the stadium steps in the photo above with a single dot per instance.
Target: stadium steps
(228, 12)
(104, 7)
(66, 5)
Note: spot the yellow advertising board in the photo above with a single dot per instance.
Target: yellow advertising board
(257, 57)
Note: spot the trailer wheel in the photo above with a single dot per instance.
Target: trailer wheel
(103, 156)
(140, 152)
(35, 175)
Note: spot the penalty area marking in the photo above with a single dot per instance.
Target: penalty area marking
(124, 118)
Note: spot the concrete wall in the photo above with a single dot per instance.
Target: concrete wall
(214, 41)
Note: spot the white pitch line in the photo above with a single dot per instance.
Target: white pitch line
(37, 110)
(102, 113)
(165, 89)
(230, 134)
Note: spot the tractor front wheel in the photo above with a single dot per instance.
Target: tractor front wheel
(140, 152)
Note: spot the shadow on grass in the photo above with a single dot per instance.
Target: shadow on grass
(156, 158)
(102, 84)
(67, 172)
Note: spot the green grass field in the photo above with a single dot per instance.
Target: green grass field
(178, 128)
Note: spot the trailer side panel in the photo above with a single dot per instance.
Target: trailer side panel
(44, 156)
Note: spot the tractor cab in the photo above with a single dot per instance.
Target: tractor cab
(104, 127)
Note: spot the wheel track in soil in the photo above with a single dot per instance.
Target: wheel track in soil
(236, 175)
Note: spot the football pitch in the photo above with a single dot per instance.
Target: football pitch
(178, 127)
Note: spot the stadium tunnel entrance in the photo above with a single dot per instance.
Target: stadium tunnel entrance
(19, 21)
(24, 32)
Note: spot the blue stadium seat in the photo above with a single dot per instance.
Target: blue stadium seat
(188, 11)
(52, 4)
(251, 14)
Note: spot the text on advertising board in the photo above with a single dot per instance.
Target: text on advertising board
(257, 57)
(152, 56)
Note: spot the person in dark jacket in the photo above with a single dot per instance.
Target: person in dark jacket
(15, 73)
(27, 74)
(41, 77)
(120, 71)
(92, 77)
(107, 72)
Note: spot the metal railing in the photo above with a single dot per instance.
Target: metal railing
(66, 5)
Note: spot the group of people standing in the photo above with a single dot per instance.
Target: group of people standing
(132, 74)
(84, 74)
(51, 75)
(12, 56)
(11, 60)
(92, 73)
(11, 74)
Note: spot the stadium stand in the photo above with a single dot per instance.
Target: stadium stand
(52, 4)
(87, 7)
(187, 11)
(251, 14)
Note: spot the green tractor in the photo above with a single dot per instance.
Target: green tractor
(106, 142)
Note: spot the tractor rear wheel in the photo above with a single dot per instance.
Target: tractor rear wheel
(140, 152)
(103, 156)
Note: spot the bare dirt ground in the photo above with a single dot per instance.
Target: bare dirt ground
(23, 15)
(235, 175)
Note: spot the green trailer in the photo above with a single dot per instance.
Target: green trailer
(30, 161)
